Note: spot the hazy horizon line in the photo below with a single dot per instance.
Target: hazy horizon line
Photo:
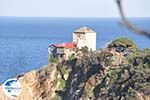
(68, 17)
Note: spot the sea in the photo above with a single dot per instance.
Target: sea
(24, 41)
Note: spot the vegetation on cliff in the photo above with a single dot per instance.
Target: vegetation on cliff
(98, 76)
(119, 72)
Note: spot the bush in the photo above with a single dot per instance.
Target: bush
(85, 49)
(62, 83)
(53, 59)
(123, 42)
(71, 57)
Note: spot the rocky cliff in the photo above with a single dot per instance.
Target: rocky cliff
(119, 72)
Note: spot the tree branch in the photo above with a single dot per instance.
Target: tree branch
(128, 24)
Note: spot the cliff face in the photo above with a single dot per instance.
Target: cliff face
(119, 72)
(37, 85)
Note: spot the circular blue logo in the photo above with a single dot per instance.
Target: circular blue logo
(12, 87)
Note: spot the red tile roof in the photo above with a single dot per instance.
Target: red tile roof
(66, 45)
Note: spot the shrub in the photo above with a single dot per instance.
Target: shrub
(123, 43)
(53, 59)
(85, 49)
(62, 83)
(71, 57)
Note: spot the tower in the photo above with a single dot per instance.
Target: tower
(85, 37)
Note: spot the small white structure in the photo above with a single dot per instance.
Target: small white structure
(85, 37)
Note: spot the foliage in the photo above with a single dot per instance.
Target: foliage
(105, 58)
(62, 83)
(85, 49)
(97, 79)
(93, 75)
(53, 59)
(71, 57)
(123, 43)
(147, 51)
(56, 98)
(62, 69)
(59, 66)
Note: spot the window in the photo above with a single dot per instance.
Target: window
(60, 50)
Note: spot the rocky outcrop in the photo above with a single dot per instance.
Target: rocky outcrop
(119, 72)
(37, 85)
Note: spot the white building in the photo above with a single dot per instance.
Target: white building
(81, 38)
(85, 37)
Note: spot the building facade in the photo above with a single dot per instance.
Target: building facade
(62, 50)
(85, 37)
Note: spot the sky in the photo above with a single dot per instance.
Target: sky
(73, 8)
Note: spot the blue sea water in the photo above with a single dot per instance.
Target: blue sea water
(24, 41)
